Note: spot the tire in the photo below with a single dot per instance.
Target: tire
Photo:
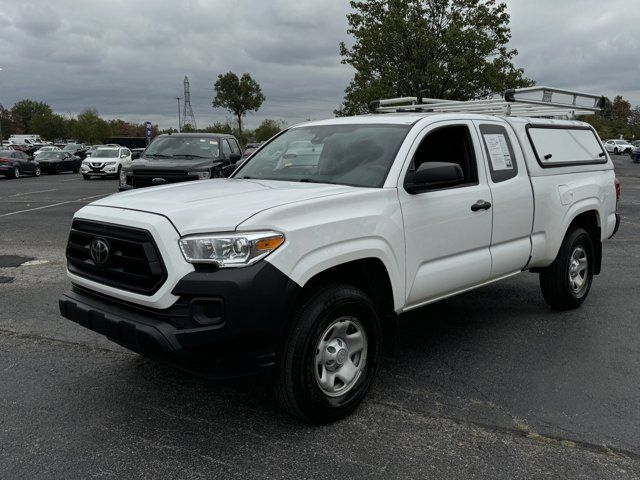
(86, 177)
(615, 151)
(15, 173)
(37, 172)
(330, 317)
(118, 172)
(566, 282)
(76, 170)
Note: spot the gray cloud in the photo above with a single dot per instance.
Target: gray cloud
(128, 59)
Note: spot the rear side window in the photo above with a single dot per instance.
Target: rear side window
(561, 146)
(499, 151)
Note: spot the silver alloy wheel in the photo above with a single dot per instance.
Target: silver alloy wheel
(578, 269)
(16, 172)
(341, 356)
(37, 172)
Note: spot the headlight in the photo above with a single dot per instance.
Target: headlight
(85, 163)
(230, 250)
(109, 163)
(203, 175)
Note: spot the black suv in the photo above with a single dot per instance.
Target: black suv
(180, 157)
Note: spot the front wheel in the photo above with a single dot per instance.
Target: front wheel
(37, 172)
(566, 282)
(615, 151)
(330, 356)
(15, 173)
(86, 177)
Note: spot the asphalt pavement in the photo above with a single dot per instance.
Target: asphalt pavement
(489, 384)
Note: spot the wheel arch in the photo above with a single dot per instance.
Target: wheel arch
(367, 274)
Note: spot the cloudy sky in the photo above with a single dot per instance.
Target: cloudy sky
(129, 58)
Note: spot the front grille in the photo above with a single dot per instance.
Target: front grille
(133, 263)
(144, 177)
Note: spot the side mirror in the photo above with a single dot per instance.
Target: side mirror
(433, 175)
(234, 157)
(135, 155)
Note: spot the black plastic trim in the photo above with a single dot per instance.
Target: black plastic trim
(255, 304)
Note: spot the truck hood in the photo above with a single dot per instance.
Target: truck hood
(217, 205)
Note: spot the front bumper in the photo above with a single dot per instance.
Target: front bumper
(617, 226)
(99, 172)
(226, 323)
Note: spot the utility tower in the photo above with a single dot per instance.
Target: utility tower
(188, 119)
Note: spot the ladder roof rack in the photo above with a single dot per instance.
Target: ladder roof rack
(522, 102)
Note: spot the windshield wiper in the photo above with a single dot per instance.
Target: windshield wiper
(189, 155)
(157, 155)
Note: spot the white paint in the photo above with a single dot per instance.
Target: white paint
(431, 244)
(32, 193)
(35, 262)
(53, 205)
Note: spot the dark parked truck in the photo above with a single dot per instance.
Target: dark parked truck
(182, 157)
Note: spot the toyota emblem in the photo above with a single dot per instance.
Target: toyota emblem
(158, 181)
(100, 252)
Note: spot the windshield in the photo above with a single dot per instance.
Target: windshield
(186, 147)
(70, 148)
(621, 142)
(52, 155)
(105, 153)
(358, 155)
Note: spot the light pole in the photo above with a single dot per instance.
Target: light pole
(178, 98)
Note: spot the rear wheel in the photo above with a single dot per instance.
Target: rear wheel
(37, 172)
(566, 282)
(330, 356)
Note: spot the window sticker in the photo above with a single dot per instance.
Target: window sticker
(498, 152)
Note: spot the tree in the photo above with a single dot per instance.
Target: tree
(91, 128)
(267, 129)
(23, 112)
(453, 49)
(238, 95)
(6, 127)
(49, 125)
(620, 109)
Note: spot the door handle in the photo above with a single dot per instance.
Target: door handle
(481, 205)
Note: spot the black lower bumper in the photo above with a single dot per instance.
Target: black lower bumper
(615, 230)
(238, 337)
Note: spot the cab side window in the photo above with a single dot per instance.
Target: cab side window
(451, 144)
(235, 148)
(226, 149)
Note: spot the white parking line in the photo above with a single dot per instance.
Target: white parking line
(30, 193)
(53, 205)
(71, 180)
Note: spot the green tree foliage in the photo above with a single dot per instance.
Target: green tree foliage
(454, 49)
(238, 95)
(5, 122)
(617, 120)
(49, 125)
(267, 129)
(220, 127)
(90, 128)
(24, 111)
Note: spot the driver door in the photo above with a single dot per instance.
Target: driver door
(447, 242)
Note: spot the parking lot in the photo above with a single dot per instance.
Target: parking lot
(489, 384)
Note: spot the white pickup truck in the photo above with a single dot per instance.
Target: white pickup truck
(328, 232)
